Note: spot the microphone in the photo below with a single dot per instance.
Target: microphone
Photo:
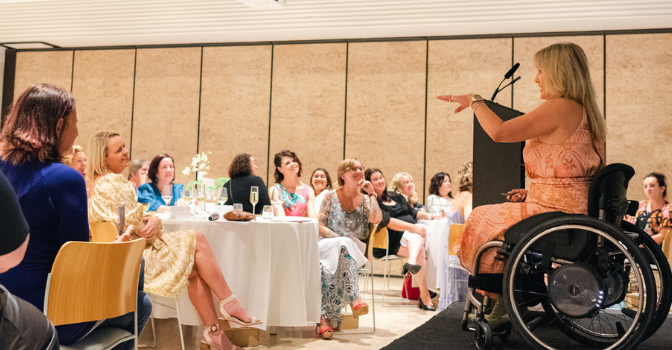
(511, 83)
(506, 76)
(511, 71)
(213, 217)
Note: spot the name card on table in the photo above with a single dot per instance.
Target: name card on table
(180, 212)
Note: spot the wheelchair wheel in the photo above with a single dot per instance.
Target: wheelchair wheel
(483, 335)
(574, 272)
(661, 271)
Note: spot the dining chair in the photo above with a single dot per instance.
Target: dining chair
(179, 320)
(103, 231)
(453, 235)
(95, 281)
(379, 240)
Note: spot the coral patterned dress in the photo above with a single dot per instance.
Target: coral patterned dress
(560, 176)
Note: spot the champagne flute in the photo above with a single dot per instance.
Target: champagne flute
(188, 194)
(223, 196)
(201, 195)
(254, 197)
(167, 194)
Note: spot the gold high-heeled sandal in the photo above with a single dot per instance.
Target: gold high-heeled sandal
(234, 319)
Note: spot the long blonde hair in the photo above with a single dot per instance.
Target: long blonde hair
(568, 76)
(97, 153)
(395, 186)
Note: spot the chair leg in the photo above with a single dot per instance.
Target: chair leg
(179, 322)
(151, 319)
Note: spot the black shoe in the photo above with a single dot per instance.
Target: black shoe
(412, 268)
(422, 306)
(432, 295)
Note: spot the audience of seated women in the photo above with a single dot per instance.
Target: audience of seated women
(565, 146)
(137, 172)
(402, 183)
(441, 196)
(243, 174)
(77, 160)
(173, 260)
(406, 237)
(161, 173)
(39, 130)
(463, 200)
(294, 197)
(344, 220)
(320, 181)
(653, 214)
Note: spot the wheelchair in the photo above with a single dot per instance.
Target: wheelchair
(594, 279)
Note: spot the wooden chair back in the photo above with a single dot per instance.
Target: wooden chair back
(93, 281)
(454, 233)
(667, 246)
(103, 231)
(369, 242)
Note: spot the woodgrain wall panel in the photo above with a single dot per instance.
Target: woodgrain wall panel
(307, 113)
(103, 86)
(386, 107)
(166, 105)
(51, 67)
(639, 68)
(235, 105)
(460, 67)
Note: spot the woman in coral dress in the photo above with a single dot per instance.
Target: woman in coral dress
(565, 147)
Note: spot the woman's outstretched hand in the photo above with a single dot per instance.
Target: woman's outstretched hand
(517, 195)
(463, 100)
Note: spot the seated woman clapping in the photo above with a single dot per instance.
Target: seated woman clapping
(295, 197)
(174, 260)
(344, 217)
(161, 173)
(405, 237)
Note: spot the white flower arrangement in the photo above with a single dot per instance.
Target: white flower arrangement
(199, 164)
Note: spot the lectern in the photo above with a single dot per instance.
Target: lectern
(498, 167)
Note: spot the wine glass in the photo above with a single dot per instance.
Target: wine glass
(201, 195)
(254, 197)
(223, 196)
(188, 194)
(167, 194)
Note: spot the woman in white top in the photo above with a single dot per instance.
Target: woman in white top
(320, 181)
(441, 195)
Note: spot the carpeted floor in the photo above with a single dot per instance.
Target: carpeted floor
(443, 331)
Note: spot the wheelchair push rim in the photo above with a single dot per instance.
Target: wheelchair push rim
(579, 327)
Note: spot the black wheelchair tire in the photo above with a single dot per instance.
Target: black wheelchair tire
(638, 331)
(483, 336)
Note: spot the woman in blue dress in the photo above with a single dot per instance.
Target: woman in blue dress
(162, 174)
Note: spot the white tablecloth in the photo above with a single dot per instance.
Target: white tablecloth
(450, 281)
(273, 269)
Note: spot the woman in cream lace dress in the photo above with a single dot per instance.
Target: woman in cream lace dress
(173, 260)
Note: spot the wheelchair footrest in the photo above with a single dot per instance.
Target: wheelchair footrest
(488, 282)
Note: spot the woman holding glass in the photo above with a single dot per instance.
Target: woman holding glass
(243, 174)
(161, 192)
(173, 260)
(344, 219)
(291, 196)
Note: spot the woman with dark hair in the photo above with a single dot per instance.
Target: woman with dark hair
(296, 198)
(441, 195)
(161, 174)
(174, 260)
(243, 174)
(653, 214)
(39, 131)
(405, 236)
(320, 181)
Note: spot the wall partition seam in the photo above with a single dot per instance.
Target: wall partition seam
(345, 109)
(270, 109)
(200, 98)
(604, 81)
(135, 67)
(9, 78)
(72, 72)
(424, 159)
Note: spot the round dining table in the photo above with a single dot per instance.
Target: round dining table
(271, 265)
